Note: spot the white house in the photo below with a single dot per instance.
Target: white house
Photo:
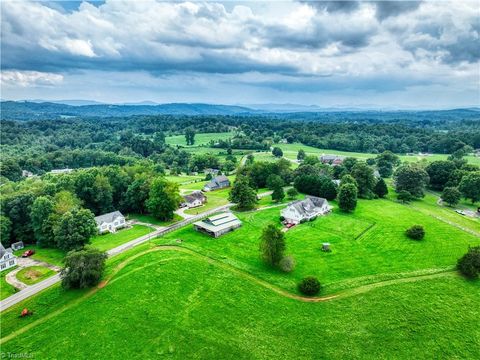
(307, 209)
(7, 259)
(195, 199)
(61, 171)
(110, 222)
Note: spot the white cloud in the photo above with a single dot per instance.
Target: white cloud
(29, 78)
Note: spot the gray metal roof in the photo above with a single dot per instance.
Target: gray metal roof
(196, 195)
(108, 218)
(3, 250)
(219, 222)
(308, 205)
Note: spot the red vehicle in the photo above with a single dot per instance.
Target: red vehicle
(28, 253)
(289, 225)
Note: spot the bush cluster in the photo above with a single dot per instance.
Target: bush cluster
(309, 286)
(469, 264)
(287, 264)
(416, 232)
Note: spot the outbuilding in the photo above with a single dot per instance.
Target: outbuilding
(218, 225)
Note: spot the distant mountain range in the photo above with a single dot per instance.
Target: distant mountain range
(36, 109)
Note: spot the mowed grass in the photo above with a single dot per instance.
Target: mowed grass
(181, 306)
(290, 151)
(200, 139)
(149, 219)
(368, 245)
(34, 274)
(109, 241)
(48, 255)
(5, 288)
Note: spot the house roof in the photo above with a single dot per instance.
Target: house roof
(108, 218)
(219, 222)
(217, 180)
(308, 205)
(3, 251)
(196, 195)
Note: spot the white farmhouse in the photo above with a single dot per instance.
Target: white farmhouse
(307, 209)
(7, 259)
(110, 222)
(195, 199)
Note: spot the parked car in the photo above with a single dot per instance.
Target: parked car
(289, 225)
(28, 253)
(460, 212)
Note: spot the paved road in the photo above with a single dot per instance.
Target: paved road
(42, 285)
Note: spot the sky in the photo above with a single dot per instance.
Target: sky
(380, 54)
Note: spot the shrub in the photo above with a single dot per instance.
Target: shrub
(292, 193)
(287, 264)
(282, 218)
(404, 196)
(416, 232)
(469, 264)
(309, 286)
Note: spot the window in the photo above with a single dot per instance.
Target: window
(12, 262)
(3, 266)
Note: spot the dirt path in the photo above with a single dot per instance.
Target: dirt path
(23, 263)
(342, 294)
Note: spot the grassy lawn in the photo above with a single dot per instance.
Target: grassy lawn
(51, 256)
(5, 288)
(200, 139)
(34, 274)
(184, 307)
(267, 200)
(181, 179)
(149, 219)
(214, 199)
(109, 241)
(368, 245)
(290, 151)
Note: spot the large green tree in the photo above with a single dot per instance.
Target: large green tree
(83, 268)
(103, 195)
(439, 173)
(74, 229)
(411, 178)
(366, 181)
(301, 155)
(470, 186)
(272, 245)
(347, 197)
(5, 229)
(381, 188)
(385, 162)
(451, 195)
(42, 210)
(163, 199)
(17, 208)
(137, 194)
(190, 136)
(243, 194)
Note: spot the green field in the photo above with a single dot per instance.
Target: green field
(34, 274)
(109, 241)
(5, 288)
(290, 151)
(183, 306)
(384, 296)
(200, 139)
(368, 246)
(149, 219)
(182, 179)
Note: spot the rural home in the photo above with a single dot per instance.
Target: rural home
(7, 259)
(110, 222)
(61, 171)
(195, 199)
(332, 159)
(218, 182)
(303, 210)
(211, 171)
(218, 225)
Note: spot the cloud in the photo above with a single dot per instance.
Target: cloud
(29, 78)
(298, 46)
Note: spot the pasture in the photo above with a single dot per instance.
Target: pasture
(200, 139)
(181, 306)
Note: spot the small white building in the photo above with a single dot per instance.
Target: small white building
(195, 199)
(61, 171)
(304, 210)
(110, 222)
(7, 259)
(218, 225)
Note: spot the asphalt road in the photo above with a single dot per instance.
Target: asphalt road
(42, 285)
